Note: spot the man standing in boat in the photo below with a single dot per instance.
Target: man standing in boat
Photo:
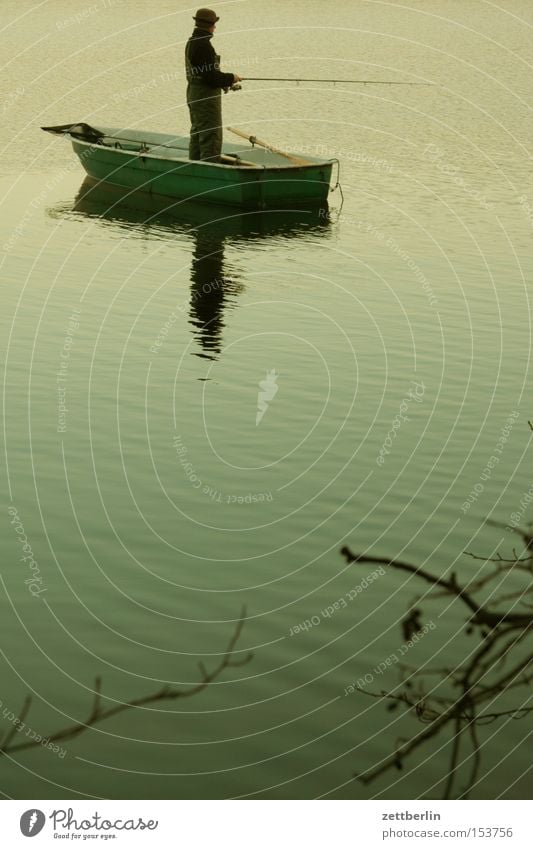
(205, 82)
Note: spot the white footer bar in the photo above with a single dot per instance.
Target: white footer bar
(269, 824)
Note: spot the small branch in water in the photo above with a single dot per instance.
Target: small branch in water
(99, 713)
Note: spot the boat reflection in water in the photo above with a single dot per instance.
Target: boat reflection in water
(215, 280)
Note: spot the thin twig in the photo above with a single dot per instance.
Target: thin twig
(456, 743)
(18, 721)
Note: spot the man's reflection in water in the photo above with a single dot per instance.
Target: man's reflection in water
(214, 282)
(212, 289)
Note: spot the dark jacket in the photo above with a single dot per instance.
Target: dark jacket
(202, 63)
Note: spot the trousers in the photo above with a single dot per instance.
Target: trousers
(205, 110)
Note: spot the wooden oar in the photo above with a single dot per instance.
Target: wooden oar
(237, 161)
(254, 140)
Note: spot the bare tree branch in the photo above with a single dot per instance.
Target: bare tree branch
(480, 679)
(99, 713)
(482, 616)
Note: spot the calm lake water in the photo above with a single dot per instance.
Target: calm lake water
(156, 496)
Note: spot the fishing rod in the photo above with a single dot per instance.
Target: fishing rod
(311, 80)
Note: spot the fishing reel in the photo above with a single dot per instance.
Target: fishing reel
(234, 87)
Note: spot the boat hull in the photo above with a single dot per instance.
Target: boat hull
(249, 187)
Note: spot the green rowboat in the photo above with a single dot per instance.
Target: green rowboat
(248, 176)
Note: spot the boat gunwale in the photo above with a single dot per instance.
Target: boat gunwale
(245, 168)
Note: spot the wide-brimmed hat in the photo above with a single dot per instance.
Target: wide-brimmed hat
(206, 16)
